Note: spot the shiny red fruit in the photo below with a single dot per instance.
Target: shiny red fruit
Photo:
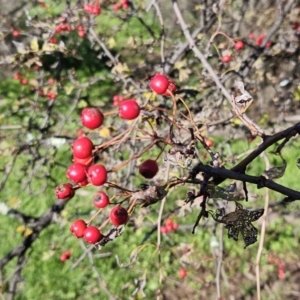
(65, 191)
(148, 168)
(159, 84)
(226, 58)
(129, 109)
(82, 148)
(78, 227)
(24, 81)
(182, 273)
(239, 45)
(91, 117)
(97, 174)
(100, 200)
(17, 76)
(209, 142)
(118, 215)
(92, 235)
(77, 172)
(51, 95)
(15, 33)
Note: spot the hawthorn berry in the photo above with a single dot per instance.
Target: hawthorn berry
(239, 45)
(80, 28)
(91, 117)
(148, 168)
(53, 41)
(51, 95)
(17, 76)
(77, 172)
(100, 200)
(65, 256)
(97, 174)
(92, 235)
(118, 215)
(78, 227)
(226, 58)
(82, 147)
(116, 6)
(159, 84)
(24, 81)
(163, 229)
(65, 191)
(182, 273)
(129, 109)
(91, 9)
(209, 142)
(15, 33)
(81, 34)
(259, 40)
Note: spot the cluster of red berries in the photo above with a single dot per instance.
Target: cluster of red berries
(162, 85)
(83, 171)
(170, 225)
(50, 94)
(260, 39)
(123, 4)
(92, 9)
(280, 266)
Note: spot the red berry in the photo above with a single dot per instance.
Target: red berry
(209, 142)
(80, 28)
(116, 6)
(51, 95)
(65, 256)
(125, 6)
(17, 76)
(65, 191)
(88, 8)
(97, 174)
(82, 148)
(159, 84)
(269, 44)
(259, 40)
(163, 229)
(124, 1)
(53, 41)
(129, 109)
(91, 117)
(239, 45)
(118, 215)
(169, 221)
(295, 25)
(24, 81)
(77, 172)
(182, 273)
(96, 11)
(41, 93)
(148, 168)
(169, 227)
(226, 58)
(78, 227)
(92, 235)
(100, 200)
(175, 225)
(15, 33)
(81, 34)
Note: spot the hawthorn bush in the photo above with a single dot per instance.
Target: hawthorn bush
(133, 130)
